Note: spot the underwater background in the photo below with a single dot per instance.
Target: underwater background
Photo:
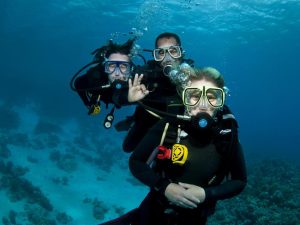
(60, 166)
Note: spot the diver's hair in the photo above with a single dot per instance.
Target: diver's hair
(124, 49)
(168, 35)
(209, 74)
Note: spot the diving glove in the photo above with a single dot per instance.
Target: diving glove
(94, 109)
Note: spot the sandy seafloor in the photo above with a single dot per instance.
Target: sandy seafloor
(112, 184)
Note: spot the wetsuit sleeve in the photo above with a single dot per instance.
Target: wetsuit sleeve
(137, 162)
(92, 79)
(237, 181)
(80, 84)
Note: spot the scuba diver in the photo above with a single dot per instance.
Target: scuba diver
(107, 81)
(160, 81)
(161, 94)
(190, 161)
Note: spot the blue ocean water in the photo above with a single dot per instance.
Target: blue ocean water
(254, 43)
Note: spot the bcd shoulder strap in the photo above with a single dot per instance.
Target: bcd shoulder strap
(152, 157)
(225, 142)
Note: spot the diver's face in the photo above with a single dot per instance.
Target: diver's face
(203, 104)
(120, 70)
(168, 59)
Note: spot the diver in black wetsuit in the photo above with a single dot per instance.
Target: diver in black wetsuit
(162, 93)
(159, 84)
(189, 165)
(108, 80)
(187, 179)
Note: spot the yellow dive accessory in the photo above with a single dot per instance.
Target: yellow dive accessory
(95, 108)
(179, 154)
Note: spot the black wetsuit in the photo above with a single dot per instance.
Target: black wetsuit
(89, 88)
(163, 96)
(206, 158)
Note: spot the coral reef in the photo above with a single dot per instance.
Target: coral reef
(82, 142)
(108, 155)
(63, 218)
(35, 215)
(19, 139)
(52, 140)
(101, 152)
(43, 141)
(19, 188)
(10, 219)
(4, 151)
(66, 162)
(271, 197)
(38, 216)
(10, 119)
(44, 127)
(55, 155)
(119, 210)
(99, 209)
(61, 180)
(47, 135)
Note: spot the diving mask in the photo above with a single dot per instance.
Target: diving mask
(121, 66)
(214, 96)
(160, 53)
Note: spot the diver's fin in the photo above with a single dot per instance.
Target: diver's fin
(127, 219)
(125, 124)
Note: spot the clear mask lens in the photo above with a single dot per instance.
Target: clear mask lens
(160, 53)
(210, 96)
(215, 97)
(120, 66)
